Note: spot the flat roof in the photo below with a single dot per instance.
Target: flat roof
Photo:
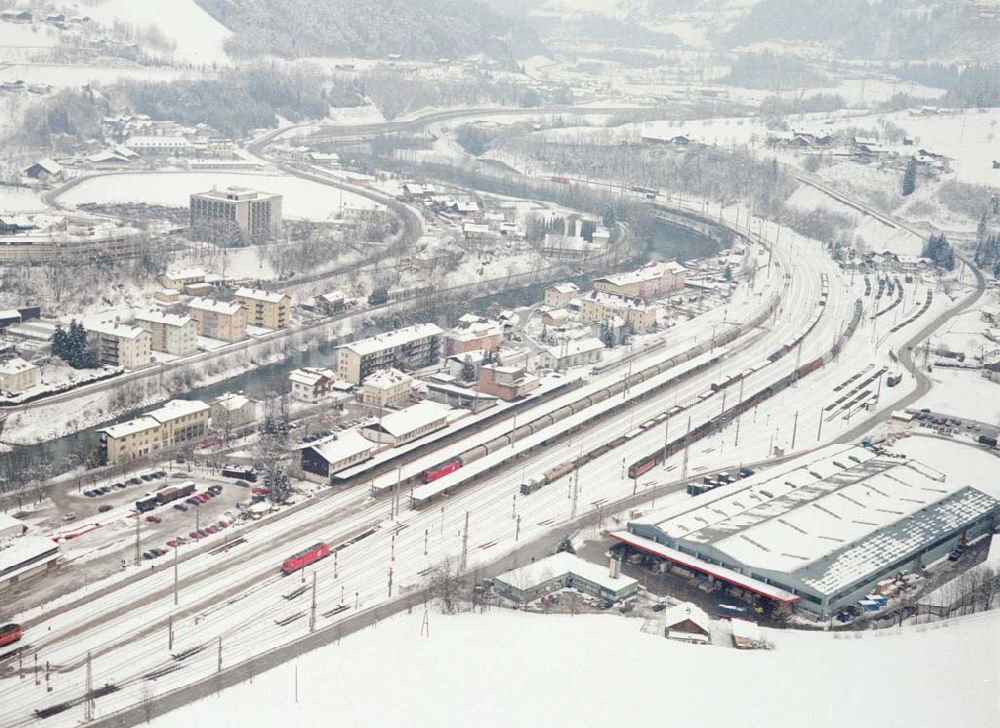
(139, 424)
(719, 572)
(256, 294)
(575, 346)
(177, 408)
(392, 339)
(167, 319)
(560, 564)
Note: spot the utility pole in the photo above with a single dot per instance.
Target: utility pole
(175, 574)
(220, 654)
(138, 549)
(666, 440)
(517, 531)
(739, 417)
(312, 608)
(390, 582)
(426, 531)
(88, 699)
(795, 428)
(170, 633)
(687, 438)
(465, 543)
(576, 480)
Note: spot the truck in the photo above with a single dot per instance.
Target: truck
(987, 440)
(893, 379)
(146, 504)
(531, 485)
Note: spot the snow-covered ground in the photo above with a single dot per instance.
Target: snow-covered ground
(61, 75)
(501, 669)
(20, 199)
(963, 393)
(973, 466)
(302, 199)
(197, 36)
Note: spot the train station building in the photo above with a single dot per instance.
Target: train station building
(818, 533)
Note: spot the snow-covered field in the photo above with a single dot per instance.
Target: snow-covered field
(973, 466)
(61, 75)
(503, 669)
(20, 199)
(198, 37)
(963, 394)
(302, 199)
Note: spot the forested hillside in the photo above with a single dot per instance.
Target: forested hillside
(427, 29)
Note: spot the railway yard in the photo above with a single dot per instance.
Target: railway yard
(798, 358)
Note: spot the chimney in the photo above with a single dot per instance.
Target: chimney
(614, 568)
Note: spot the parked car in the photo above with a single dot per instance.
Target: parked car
(216, 489)
(105, 508)
(154, 519)
(180, 507)
(146, 477)
(148, 555)
(212, 529)
(242, 484)
(195, 535)
(91, 493)
(158, 474)
(69, 517)
(956, 554)
(222, 524)
(105, 489)
(192, 501)
(118, 486)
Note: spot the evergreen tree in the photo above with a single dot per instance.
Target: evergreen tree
(59, 339)
(608, 335)
(727, 273)
(468, 369)
(910, 177)
(608, 218)
(566, 545)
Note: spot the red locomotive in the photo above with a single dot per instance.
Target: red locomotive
(305, 557)
(9, 634)
(439, 471)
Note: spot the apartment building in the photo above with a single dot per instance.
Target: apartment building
(311, 384)
(654, 280)
(411, 347)
(17, 375)
(172, 334)
(266, 309)
(221, 320)
(121, 345)
(597, 306)
(254, 216)
(176, 423)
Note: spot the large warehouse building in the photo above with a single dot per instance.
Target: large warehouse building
(819, 532)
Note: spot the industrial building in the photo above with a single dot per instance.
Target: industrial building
(411, 347)
(407, 425)
(322, 459)
(817, 533)
(25, 556)
(564, 571)
(236, 213)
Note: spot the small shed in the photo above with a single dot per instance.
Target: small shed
(686, 622)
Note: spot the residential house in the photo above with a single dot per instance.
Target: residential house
(44, 169)
(473, 333)
(386, 388)
(17, 375)
(686, 622)
(597, 306)
(559, 295)
(233, 411)
(311, 384)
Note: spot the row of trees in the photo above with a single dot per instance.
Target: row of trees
(73, 348)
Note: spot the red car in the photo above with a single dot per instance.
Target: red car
(203, 497)
(222, 524)
(259, 491)
(195, 535)
(154, 519)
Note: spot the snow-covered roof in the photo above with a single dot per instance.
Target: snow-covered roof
(177, 408)
(412, 418)
(610, 300)
(186, 274)
(132, 427)
(16, 366)
(157, 142)
(49, 165)
(227, 308)
(393, 339)
(386, 379)
(831, 519)
(651, 271)
(8, 522)
(232, 401)
(565, 287)
(119, 331)
(311, 376)
(560, 564)
(343, 445)
(686, 611)
(26, 552)
(167, 319)
(575, 346)
(255, 294)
